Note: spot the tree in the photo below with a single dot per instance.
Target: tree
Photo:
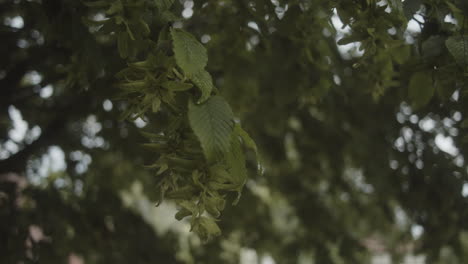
(306, 130)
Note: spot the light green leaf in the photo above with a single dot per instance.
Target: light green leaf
(153, 136)
(156, 104)
(133, 86)
(190, 54)
(115, 7)
(210, 226)
(182, 213)
(206, 228)
(213, 124)
(186, 192)
(214, 205)
(162, 168)
(458, 47)
(161, 164)
(219, 174)
(221, 180)
(189, 205)
(235, 160)
(421, 88)
(248, 141)
(202, 79)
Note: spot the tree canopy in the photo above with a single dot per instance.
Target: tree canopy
(304, 131)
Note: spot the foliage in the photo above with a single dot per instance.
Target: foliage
(348, 104)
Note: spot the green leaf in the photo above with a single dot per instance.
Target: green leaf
(221, 180)
(445, 84)
(464, 123)
(152, 136)
(214, 205)
(156, 105)
(189, 164)
(182, 213)
(161, 164)
(176, 86)
(218, 173)
(186, 192)
(133, 86)
(210, 226)
(236, 170)
(235, 160)
(349, 39)
(400, 54)
(122, 44)
(248, 141)
(202, 79)
(144, 28)
(163, 5)
(421, 88)
(410, 7)
(458, 47)
(115, 7)
(213, 124)
(206, 228)
(432, 46)
(169, 17)
(189, 205)
(190, 54)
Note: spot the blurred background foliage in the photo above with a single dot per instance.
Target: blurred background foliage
(357, 108)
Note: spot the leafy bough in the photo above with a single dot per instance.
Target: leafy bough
(200, 150)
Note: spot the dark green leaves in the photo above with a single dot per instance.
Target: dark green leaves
(410, 7)
(176, 86)
(213, 124)
(421, 88)
(163, 5)
(122, 44)
(432, 46)
(458, 47)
